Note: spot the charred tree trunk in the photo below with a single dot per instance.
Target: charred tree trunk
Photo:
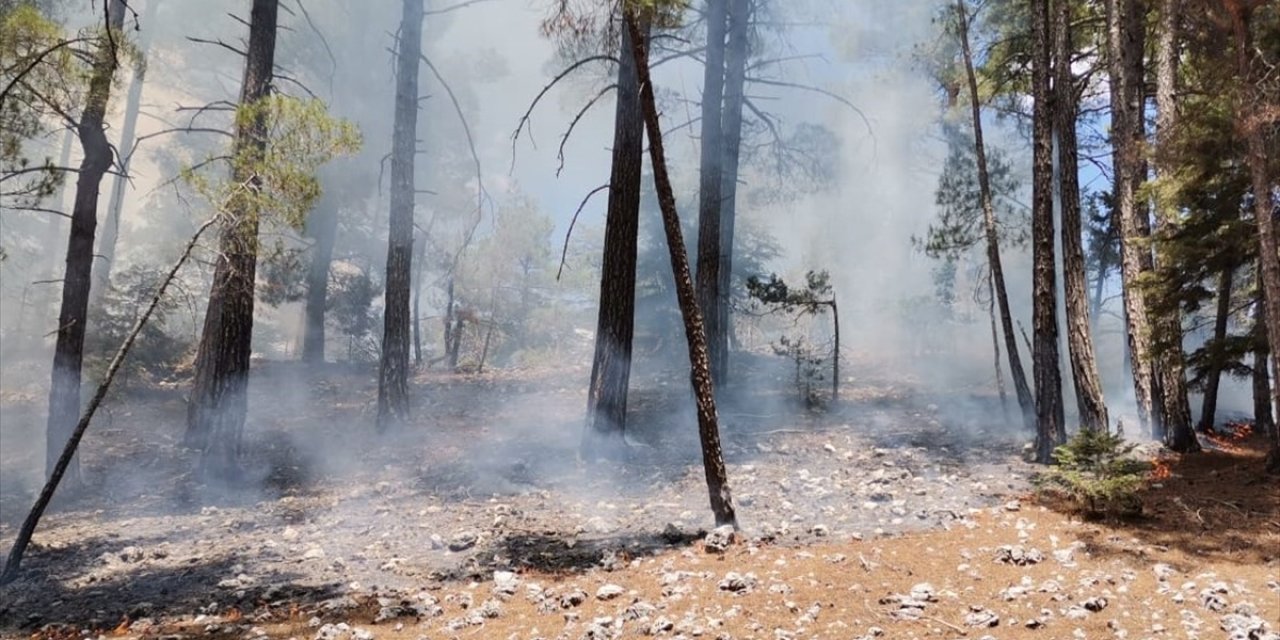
(703, 388)
(1209, 409)
(1124, 52)
(1263, 416)
(393, 369)
(711, 183)
(219, 394)
(322, 226)
(419, 258)
(1050, 430)
(1025, 400)
(1084, 363)
(1176, 413)
(111, 225)
(734, 99)
(448, 321)
(68, 350)
(615, 325)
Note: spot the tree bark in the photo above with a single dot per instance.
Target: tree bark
(1025, 400)
(393, 370)
(1171, 363)
(1209, 408)
(1050, 428)
(1084, 363)
(736, 53)
(120, 184)
(420, 249)
(995, 346)
(700, 374)
(615, 323)
(711, 182)
(1263, 417)
(68, 350)
(1254, 127)
(219, 394)
(1124, 52)
(322, 226)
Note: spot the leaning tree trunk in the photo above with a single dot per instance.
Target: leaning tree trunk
(734, 100)
(1124, 44)
(615, 324)
(710, 198)
(219, 395)
(322, 226)
(1217, 353)
(120, 184)
(1176, 409)
(1084, 363)
(703, 388)
(393, 370)
(68, 350)
(995, 346)
(1050, 428)
(1023, 391)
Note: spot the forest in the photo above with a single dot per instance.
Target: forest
(603, 319)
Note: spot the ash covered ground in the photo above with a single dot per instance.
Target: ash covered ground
(487, 480)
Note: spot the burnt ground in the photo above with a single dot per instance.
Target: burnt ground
(895, 514)
(488, 478)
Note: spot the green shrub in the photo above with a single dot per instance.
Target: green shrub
(1095, 471)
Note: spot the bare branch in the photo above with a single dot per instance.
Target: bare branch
(218, 43)
(565, 251)
(529, 112)
(581, 112)
(820, 91)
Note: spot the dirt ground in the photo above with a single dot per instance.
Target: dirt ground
(895, 515)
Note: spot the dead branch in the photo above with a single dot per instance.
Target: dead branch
(14, 561)
(524, 119)
(218, 43)
(565, 251)
(466, 129)
(578, 116)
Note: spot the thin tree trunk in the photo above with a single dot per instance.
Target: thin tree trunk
(1124, 43)
(615, 324)
(68, 350)
(322, 225)
(1050, 429)
(419, 259)
(120, 184)
(1209, 408)
(448, 320)
(835, 357)
(711, 182)
(393, 370)
(67, 453)
(1178, 429)
(1084, 363)
(1025, 399)
(734, 99)
(219, 394)
(995, 346)
(1263, 417)
(703, 388)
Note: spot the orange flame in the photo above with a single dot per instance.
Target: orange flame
(1160, 470)
(123, 627)
(234, 615)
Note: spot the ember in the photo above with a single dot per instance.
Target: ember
(1159, 470)
(123, 627)
(234, 615)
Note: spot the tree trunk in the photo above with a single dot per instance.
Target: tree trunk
(68, 351)
(219, 394)
(1171, 364)
(1084, 363)
(734, 99)
(322, 226)
(1124, 44)
(1209, 409)
(1050, 428)
(1263, 417)
(615, 325)
(711, 182)
(1025, 400)
(120, 184)
(419, 258)
(1253, 125)
(703, 388)
(448, 321)
(393, 370)
(995, 346)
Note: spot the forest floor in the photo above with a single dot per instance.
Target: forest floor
(896, 515)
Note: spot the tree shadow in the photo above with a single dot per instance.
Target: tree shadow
(122, 580)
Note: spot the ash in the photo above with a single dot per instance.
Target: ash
(329, 513)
